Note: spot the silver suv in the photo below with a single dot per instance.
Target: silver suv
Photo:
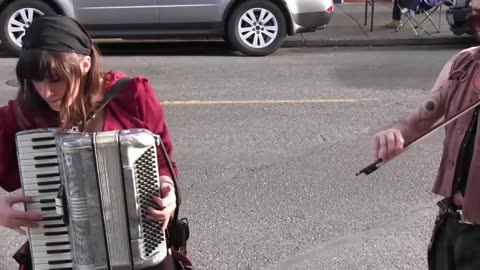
(253, 27)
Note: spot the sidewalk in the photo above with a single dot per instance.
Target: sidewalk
(347, 29)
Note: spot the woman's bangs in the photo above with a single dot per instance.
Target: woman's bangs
(38, 66)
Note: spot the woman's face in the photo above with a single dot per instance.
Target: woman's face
(53, 90)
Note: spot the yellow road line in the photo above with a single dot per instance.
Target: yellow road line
(250, 102)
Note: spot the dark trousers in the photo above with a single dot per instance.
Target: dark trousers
(455, 245)
(396, 14)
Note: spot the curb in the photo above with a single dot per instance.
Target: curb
(380, 42)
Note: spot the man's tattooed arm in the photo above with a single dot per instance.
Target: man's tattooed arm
(430, 111)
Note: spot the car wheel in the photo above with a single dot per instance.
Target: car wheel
(16, 18)
(257, 28)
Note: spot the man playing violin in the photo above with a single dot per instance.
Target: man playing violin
(455, 242)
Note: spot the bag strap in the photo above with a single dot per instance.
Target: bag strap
(116, 89)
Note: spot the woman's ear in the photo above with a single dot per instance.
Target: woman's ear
(86, 64)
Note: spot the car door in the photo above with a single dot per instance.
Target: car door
(189, 12)
(116, 13)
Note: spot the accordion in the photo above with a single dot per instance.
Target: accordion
(93, 190)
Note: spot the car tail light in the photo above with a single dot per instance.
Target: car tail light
(330, 9)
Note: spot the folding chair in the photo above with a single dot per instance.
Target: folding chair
(410, 8)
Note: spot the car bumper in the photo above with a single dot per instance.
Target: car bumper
(307, 22)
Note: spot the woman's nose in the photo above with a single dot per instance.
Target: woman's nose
(45, 91)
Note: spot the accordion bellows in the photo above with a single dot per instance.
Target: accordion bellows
(94, 190)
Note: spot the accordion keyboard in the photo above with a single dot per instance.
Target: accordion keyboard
(39, 170)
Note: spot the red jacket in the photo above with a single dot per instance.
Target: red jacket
(135, 107)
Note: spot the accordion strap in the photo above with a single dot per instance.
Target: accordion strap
(177, 192)
(116, 89)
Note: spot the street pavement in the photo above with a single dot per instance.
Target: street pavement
(268, 149)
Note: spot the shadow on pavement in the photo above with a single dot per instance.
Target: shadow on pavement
(142, 48)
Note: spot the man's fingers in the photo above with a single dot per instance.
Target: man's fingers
(376, 146)
(399, 143)
(383, 147)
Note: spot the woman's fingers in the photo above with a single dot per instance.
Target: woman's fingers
(31, 216)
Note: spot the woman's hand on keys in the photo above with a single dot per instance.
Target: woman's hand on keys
(15, 218)
(166, 204)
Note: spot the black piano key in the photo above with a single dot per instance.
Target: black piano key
(44, 157)
(48, 183)
(36, 147)
(42, 139)
(59, 262)
(45, 175)
(58, 251)
(50, 208)
(55, 233)
(52, 218)
(46, 165)
(48, 190)
(47, 200)
(51, 226)
(52, 244)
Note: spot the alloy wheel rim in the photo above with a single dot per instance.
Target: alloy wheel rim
(258, 28)
(19, 22)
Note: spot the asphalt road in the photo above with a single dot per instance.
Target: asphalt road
(268, 165)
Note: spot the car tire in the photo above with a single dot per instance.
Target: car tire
(13, 11)
(271, 32)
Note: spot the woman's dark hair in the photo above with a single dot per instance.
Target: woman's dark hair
(39, 65)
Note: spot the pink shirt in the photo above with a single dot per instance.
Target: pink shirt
(135, 107)
(457, 87)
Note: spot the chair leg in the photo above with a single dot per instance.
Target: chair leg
(429, 18)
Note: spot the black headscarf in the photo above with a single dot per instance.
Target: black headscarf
(57, 33)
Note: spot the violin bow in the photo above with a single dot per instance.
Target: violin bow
(378, 163)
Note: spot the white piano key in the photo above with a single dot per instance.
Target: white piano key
(30, 143)
(51, 267)
(65, 253)
(52, 258)
(45, 248)
(31, 156)
(37, 199)
(44, 241)
(27, 169)
(35, 174)
(33, 180)
(44, 230)
(50, 230)
(51, 238)
(33, 187)
(36, 193)
(38, 205)
(28, 137)
(32, 147)
(30, 150)
(33, 162)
